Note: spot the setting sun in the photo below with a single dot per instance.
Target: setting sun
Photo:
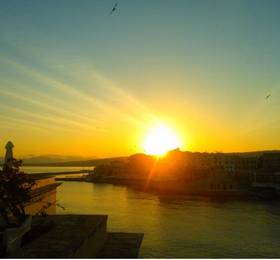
(160, 140)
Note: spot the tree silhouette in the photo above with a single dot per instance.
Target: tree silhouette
(15, 192)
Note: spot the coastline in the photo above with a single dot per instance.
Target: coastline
(163, 187)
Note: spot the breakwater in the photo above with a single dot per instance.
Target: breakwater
(48, 174)
(171, 187)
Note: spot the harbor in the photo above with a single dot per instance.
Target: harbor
(193, 226)
(139, 129)
(203, 174)
(30, 226)
(190, 221)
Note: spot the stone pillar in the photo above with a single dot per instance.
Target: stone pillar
(9, 154)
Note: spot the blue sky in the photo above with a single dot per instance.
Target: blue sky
(204, 67)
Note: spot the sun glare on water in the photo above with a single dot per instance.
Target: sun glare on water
(160, 140)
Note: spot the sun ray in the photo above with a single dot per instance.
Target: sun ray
(60, 86)
(54, 111)
(138, 116)
(123, 95)
(45, 127)
(151, 173)
(45, 118)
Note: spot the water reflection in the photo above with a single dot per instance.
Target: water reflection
(180, 226)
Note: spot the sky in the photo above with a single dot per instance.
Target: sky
(77, 80)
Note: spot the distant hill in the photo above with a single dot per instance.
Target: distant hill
(83, 163)
(46, 159)
(58, 160)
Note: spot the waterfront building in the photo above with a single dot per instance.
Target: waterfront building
(233, 164)
(268, 168)
(269, 162)
(202, 173)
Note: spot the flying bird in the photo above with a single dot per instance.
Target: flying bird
(114, 8)
(268, 96)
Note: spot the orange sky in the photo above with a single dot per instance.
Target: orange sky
(77, 81)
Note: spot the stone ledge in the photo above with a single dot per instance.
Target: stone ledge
(73, 236)
(121, 245)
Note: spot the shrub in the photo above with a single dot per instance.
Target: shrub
(15, 192)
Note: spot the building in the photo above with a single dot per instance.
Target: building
(269, 162)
